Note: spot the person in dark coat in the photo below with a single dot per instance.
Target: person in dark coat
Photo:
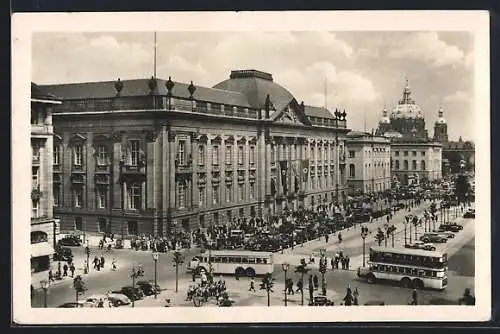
(332, 262)
(414, 297)
(102, 262)
(311, 288)
(96, 262)
(348, 299)
(65, 270)
(316, 282)
(72, 269)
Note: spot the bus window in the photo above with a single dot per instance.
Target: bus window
(394, 269)
(244, 260)
(212, 259)
(205, 259)
(235, 260)
(401, 270)
(224, 260)
(258, 260)
(217, 259)
(408, 271)
(264, 261)
(428, 273)
(251, 260)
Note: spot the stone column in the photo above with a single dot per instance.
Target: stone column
(117, 191)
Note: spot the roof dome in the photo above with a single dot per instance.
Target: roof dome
(440, 119)
(256, 85)
(385, 119)
(406, 107)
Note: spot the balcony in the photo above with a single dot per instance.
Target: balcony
(42, 129)
(184, 168)
(102, 169)
(128, 169)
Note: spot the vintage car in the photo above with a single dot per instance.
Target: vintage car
(433, 237)
(470, 213)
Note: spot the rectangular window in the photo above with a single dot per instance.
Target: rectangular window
(325, 152)
(273, 154)
(34, 208)
(132, 227)
(35, 177)
(414, 153)
(35, 147)
(229, 193)
(56, 155)
(134, 152)
(201, 197)
(229, 155)
(215, 195)
(102, 197)
(352, 154)
(241, 157)
(414, 164)
(405, 153)
(134, 196)
(78, 224)
(77, 155)
(241, 192)
(252, 190)
(422, 163)
(252, 154)
(102, 155)
(56, 192)
(229, 215)
(181, 195)
(181, 153)
(215, 155)
(405, 163)
(313, 154)
(209, 107)
(201, 155)
(397, 164)
(396, 153)
(422, 153)
(222, 108)
(78, 197)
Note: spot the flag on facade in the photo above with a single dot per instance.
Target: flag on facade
(284, 175)
(305, 169)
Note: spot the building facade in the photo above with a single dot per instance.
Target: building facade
(415, 156)
(43, 224)
(457, 155)
(149, 156)
(368, 163)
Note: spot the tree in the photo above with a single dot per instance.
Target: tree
(462, 188)
(380, 236)
(79, 286)
(302, 270)
(267, 284)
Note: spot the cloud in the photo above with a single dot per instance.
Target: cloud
(457, 97)
(429, 48)
(332, 42)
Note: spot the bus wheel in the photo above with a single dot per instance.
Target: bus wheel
(250, 272)
(406, 282)
(418, 284)
(370, 278)
(239, 272)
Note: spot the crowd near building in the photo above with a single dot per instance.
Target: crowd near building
(153, 156)
(43, 224)
(148, 156)
(416, 157)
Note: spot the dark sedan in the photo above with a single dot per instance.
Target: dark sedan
(131, 293)
(148, 288)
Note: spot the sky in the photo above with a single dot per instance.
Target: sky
(360, 72)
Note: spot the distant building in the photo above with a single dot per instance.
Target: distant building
(43, 224)
(457, 155)
(415, 156)
(151, 155)
(368, 162)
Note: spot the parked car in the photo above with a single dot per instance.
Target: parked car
(148, 288)
(470, 213)
(421, 245)
(93, 300)
(63, 254)
(433, 237)
(447, 234)
(321, 300)
(450, 227)
(70, 240)
(132, 293)
(118, 299)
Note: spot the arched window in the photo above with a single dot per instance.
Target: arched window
(352, 170)
(39, 236)
(423, 164)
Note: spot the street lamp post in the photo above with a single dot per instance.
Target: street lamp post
(156, 256)
(45, 285)
(364, 233)
(87, 251)
(136, 273)
(285, 266)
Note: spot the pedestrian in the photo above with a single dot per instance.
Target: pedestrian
(72, 269)
(101, 303)
(101, 262)
(252, 285)
(300, 286)
(51, 276)
(347, 260)
(112, 237)
(193, 275)
(315, 282)
(96, 262)
(348, 299)
(327, 237)
(414, 298)
(65, 270)
(59, 271)
(332, 262)
(323, 288)
(113, 264)
(355, 296)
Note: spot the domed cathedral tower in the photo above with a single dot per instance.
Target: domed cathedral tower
(384, 125)
(441, 128)
(407, 117)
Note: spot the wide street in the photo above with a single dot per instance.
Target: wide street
(460, 271)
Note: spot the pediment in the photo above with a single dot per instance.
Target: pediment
(291, 114)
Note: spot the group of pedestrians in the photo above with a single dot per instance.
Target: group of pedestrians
(65, 270)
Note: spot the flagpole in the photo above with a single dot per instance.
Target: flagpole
(154, 62)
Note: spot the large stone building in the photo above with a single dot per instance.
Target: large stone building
(457, 155)
(369, 163)
(415, 156)
(146, 156)
(43, 224)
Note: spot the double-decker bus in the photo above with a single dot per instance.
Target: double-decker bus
(241, 263)
(408, 267)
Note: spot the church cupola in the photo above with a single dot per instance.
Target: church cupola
(440, 127)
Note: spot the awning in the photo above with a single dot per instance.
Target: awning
(41, 249)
